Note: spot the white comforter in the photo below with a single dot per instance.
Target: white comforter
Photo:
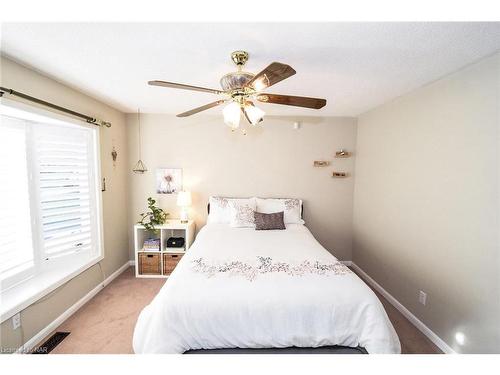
(238, 287)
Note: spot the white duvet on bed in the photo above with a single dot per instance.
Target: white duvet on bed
(238, 287)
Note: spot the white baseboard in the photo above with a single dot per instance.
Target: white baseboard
(403, 310)
(40, 336)
(131, 262)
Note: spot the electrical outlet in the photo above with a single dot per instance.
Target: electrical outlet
(16, 321)
(422, 297)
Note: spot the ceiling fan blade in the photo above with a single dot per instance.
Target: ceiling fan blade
(183, 87)
(297, 101)
(271, 75)
(200, 109)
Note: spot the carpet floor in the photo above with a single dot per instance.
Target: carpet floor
(106, 323)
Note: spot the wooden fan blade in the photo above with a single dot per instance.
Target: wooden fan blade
(200, 109)
(183, 87)
(271, 75)
(297, 101)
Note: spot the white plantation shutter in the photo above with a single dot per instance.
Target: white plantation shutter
(49, 197)
(64, 172)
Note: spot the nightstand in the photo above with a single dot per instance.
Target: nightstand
(155, 259)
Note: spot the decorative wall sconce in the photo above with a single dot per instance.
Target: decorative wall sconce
(321, 163)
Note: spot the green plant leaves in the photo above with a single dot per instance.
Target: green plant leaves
(155, 216)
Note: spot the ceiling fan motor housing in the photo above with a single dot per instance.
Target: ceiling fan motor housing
(236, 80)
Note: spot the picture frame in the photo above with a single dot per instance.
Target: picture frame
(168, 180)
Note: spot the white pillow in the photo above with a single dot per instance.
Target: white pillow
(290, 206)
(242, 213)
(219, 209)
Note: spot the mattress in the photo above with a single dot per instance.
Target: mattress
(248, 289)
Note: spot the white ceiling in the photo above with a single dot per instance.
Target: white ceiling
(355, 66)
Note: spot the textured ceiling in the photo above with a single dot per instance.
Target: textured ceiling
(355, 66)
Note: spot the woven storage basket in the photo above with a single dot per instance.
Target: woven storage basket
(149, 264)
(170, 261)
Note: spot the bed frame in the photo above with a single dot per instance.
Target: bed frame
(293, 350)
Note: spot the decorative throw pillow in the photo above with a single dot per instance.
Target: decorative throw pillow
(292, 208)
(242, 213)
(269, 221)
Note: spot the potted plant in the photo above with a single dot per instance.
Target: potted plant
(155, 216)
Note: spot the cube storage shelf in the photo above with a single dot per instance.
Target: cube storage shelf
(161, 262)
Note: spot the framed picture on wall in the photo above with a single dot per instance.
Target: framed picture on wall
(168, 180)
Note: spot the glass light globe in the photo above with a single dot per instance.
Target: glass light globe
(254, 114)
(232, 115)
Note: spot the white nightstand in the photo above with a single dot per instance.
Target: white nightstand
(161, 262)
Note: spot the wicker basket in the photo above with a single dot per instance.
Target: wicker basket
(170, 262)
(149, 264)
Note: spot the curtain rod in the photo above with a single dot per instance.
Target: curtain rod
(88, 119)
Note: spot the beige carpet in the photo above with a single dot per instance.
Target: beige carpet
(106, 323)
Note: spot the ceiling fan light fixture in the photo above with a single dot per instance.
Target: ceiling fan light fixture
(232, 115)
(260, 83)
(254, 114)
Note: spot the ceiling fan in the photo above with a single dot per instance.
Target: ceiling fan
(241, 88)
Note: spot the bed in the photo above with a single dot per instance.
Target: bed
(239, 288)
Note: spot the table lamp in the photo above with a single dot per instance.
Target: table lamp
(184, 201)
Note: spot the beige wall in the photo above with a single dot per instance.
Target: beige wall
(272, 161)
(38, 316)
(426, 207)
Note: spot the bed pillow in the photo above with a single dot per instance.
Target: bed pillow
(219, 209)
(269, 221)
(291, 207)
(241, 212)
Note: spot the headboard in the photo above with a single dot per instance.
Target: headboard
(301, 210)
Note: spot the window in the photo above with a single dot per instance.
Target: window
(49, 197)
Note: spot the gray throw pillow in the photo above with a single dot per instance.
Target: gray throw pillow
(269, 221)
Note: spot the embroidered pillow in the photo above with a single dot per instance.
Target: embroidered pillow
(220, 211)
(292, 208)
(269, 221)
(242, 213)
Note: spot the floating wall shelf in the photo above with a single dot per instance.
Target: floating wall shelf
(321, 163)
(339, 174)
(342, 154)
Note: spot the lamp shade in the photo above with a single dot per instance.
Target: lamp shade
(184, 199)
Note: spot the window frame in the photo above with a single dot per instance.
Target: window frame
(47, 277)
